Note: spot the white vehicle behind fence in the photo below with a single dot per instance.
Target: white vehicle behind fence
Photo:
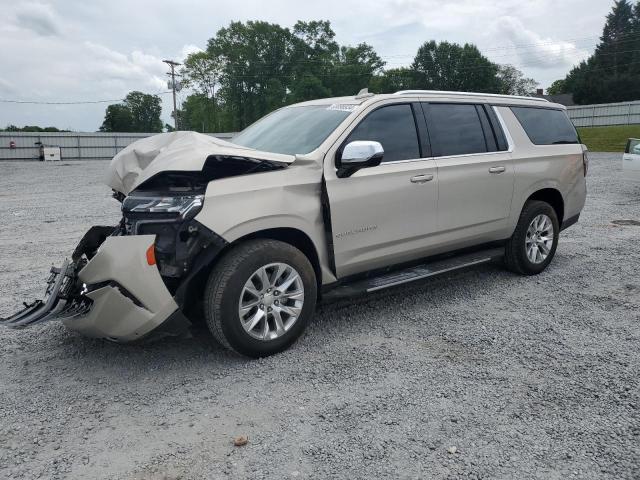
(631, 160)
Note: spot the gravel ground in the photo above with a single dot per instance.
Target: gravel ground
(480, 374)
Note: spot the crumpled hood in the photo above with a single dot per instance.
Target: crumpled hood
(174, 151)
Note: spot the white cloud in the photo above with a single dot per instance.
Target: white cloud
(188, 50)
(39, 18)
(69, 50)
(6, 86)
(534, 50)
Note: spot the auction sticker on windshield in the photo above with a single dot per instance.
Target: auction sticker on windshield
(343, 107)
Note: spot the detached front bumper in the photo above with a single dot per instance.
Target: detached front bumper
(59, 302)
(118, 294)
(129, 297)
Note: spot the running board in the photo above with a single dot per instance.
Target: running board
(411, 274)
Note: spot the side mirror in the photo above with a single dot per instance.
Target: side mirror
(359, 154)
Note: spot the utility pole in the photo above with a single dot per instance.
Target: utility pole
(172, 66)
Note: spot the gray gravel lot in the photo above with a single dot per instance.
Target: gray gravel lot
(525, 377)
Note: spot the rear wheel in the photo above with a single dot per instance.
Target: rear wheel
(260, 297)
(533, 244)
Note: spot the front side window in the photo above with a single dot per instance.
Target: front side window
(545, 126)
(456, 129)
(293, 130)
(395, 128)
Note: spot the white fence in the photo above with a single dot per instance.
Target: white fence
(624, 113)
(74, 146)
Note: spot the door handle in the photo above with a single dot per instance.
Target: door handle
(497, 169)
(422, 178)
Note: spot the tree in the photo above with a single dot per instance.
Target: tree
(117, 118)
(196, 114)
(513, 82)
(202, 71)
(308, 87)
(139, 112)
(612, 73)
(31, 128)
(615, 49)
(557, 87)
(253, 56)
(393, 80)
(449, 66)
(145, 111)
(354, 69)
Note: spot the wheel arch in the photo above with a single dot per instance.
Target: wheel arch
(553, 197)
(294, 237)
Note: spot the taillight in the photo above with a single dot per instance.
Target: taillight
(585, 162)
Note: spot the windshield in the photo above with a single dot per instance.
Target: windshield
(293, 130)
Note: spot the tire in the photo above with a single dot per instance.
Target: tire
(517, 258)
(230, 280)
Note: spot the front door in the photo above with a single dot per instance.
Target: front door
(384, 215)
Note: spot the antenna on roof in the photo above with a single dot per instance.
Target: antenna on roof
(364, 93)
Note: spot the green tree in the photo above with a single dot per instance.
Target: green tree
(202, 71)
(31, 128)
(354, 69)
(557, 87)
(513, 82)
(117, 118)
(449, 66)
(308, 87)
(612, 73)
(196, 114)
(139, 112)
(393, 80)
(253, 56)
(145, 111)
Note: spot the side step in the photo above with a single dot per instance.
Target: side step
(411, 274)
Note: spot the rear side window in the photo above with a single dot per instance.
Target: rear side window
(545, 126)
(395, 128)
(456, 129)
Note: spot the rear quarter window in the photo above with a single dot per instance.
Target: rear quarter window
(546, 126)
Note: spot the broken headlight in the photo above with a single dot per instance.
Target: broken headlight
(184, 206)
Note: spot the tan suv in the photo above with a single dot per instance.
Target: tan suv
(322, 199)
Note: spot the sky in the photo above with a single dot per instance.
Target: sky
(90, 50)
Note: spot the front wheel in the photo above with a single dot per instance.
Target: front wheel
(260, 297)
(533, 244)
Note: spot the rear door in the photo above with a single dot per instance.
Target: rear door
(475, 171)
(384, 215)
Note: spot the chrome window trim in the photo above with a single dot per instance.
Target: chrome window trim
(395, 162)
(503, 125)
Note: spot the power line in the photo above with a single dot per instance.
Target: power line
(329, 75)
(81, 102)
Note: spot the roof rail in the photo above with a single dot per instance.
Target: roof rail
(469, 94)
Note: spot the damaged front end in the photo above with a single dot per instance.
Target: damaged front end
(61, 300)
(145, 275)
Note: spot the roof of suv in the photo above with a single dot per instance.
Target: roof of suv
(365, 97)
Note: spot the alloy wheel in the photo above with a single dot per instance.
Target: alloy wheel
(271, 301)
(539, 239)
